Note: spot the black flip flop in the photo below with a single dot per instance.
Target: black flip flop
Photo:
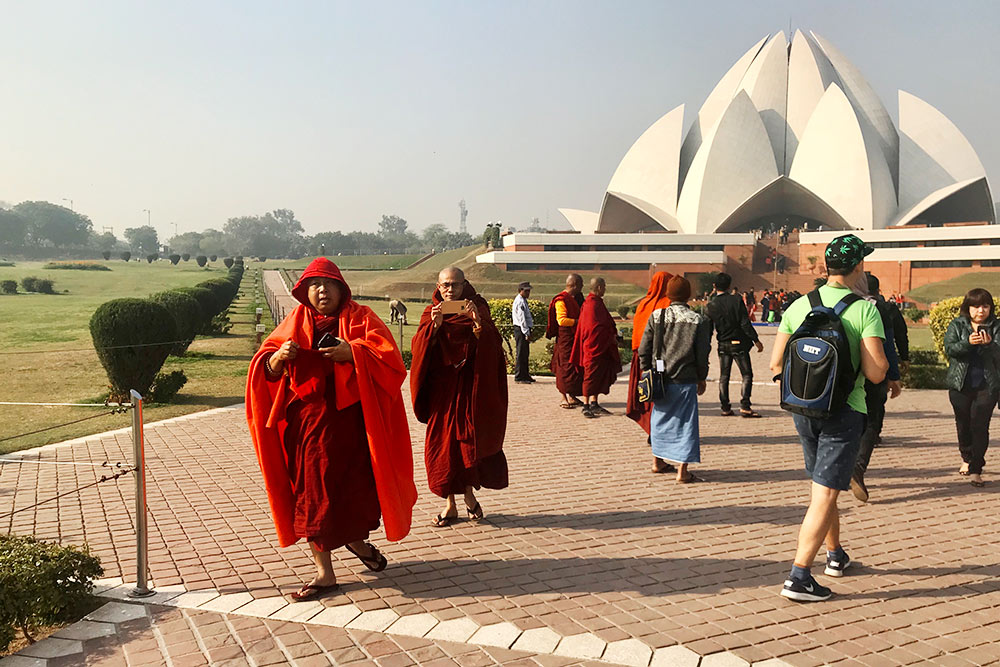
(376, 562)
(312, 592)
(980, 484)
(690, 479)
(475, 513)
(442, 521)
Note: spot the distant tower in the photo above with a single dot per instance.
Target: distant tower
(464, 214)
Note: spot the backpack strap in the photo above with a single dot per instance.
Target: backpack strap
(815, 300)
(845, 303)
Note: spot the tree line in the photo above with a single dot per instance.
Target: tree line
(39, 228)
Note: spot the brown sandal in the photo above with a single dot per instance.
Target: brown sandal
(376, 562)
(690, 479)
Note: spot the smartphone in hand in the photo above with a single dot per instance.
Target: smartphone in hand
(326, 340)
(454, 307)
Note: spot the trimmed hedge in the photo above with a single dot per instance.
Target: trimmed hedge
(201, 259)
(29, 284)
(186, 256)
(941, 316)
(500, 311)
(78, 266)
(8, 286)
(206, 299)
(228, 261)
(106, 254)
(174, 259)
(42, 584)
(187, 313)
(166, 385)
(126, 256)
(152, 257)
(133, 339)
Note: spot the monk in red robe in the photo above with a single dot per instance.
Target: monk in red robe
(595, 348)
(656, 297)
(458, 383)
(329, 425)
(564, 311)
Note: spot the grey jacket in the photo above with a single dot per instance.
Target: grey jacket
(687, 340)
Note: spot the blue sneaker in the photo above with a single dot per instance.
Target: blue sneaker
(835, 568)
(805, 591)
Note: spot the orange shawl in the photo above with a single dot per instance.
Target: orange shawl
(656, 297)
(375, 379)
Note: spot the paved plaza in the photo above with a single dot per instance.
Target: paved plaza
(588, 556)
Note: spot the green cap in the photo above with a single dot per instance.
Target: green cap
(846, 252)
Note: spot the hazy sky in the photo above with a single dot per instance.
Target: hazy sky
(200, 111)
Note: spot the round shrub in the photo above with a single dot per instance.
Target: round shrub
(152, 257)
(29, 284)
(228, 261)
(174, 259)
(106, 254)
(206, 299)
(126, 256)
(166, 385)
(42, 583)
(133, 338)
(45, 286)
(212, 258)
(201, 259)
(8, 286)
(187, 313)
(222, 289)
(186, 256)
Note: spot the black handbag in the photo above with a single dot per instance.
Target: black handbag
(650, 385)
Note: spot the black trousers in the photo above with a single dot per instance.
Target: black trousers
(521, 358)
(875, 398)
(973, 410)
(742, 360)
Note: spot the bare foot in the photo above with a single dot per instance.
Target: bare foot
(964, 470)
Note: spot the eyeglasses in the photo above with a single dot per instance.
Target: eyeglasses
(450, 285)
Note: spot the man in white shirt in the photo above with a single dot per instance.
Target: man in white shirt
(521, 315)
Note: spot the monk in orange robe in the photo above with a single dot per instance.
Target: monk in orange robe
(656, 297)
(564, 310)
(595, 348)
(329, 425)
(458, 384)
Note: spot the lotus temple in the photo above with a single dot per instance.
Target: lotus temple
(792, 135)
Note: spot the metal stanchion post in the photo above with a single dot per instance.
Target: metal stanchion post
(400, 323)
(141, 590)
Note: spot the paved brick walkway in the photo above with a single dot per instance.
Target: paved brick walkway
(588, 554)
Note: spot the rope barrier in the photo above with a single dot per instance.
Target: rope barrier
(75, 421)
(104, 478)
(89, 349)
(72, 405)
(61, 463)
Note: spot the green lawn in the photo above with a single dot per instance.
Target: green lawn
(48, 355)
(353, 262)
(956, 286)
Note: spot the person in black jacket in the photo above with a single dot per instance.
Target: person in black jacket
(735, 337)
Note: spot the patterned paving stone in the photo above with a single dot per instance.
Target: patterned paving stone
(585, 541)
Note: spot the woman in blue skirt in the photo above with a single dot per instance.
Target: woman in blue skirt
(678, 353)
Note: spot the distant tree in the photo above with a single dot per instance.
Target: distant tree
(142, 239)
(392, 225)
(105, 241)
(273, 234)
(188, 242)
(213, 243)
(13, 229)
(51, 224)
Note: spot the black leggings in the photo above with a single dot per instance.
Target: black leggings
(973, 410)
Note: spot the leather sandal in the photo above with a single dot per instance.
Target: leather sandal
(312, 592)
(749, 414)
(375, 562)
(475, 513)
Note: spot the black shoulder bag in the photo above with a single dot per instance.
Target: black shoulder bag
(650, 385)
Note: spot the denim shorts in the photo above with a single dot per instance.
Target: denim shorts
(830, 446)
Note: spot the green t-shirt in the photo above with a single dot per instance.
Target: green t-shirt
(861, 320)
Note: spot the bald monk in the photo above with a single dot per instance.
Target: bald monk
(655, 299)
(458, 383)
(564, 310)
(595, 348)
(329, 426)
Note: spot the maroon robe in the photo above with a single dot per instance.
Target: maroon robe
(458, 384)
(569, 377)
(595, 347)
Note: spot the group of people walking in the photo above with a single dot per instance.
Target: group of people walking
(326, 413)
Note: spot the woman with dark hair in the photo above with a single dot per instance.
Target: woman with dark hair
(973, 377)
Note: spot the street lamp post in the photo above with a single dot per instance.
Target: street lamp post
(148, 216)
(70, 203)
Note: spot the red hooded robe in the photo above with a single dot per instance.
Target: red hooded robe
(569, 377)
(656, 298)
(331, 438)
(595, 347)
(458, 384)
